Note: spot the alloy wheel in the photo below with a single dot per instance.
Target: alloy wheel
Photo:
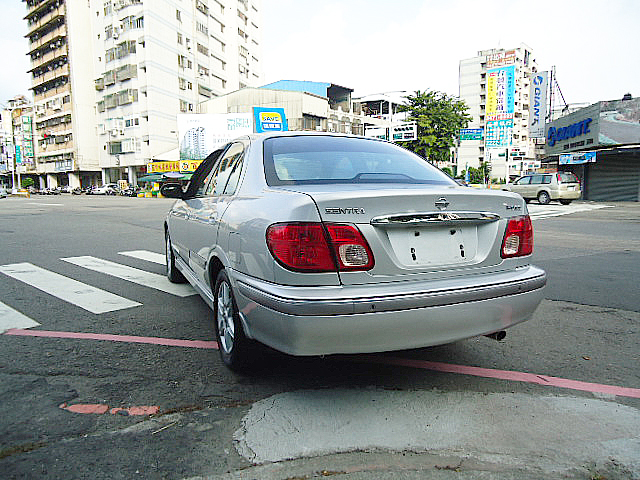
(226, 322)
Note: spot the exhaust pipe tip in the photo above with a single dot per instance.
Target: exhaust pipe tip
(497, 335)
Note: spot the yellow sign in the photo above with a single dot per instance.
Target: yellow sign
(189, 165)
(183, 166)
(162, 167)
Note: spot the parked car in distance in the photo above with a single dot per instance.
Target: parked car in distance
(108, 189)
(319, 243)
(544, 187)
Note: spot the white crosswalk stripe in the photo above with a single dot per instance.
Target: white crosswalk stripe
(10, 318)
(140, 277)
(146, 255)
(77, 293)
(547, 211)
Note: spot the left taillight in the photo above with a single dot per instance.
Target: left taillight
(318, 247)
(518, 238)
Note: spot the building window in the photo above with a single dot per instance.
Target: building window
(179, 39)
(178, 16)
(202, 28)
(202, 49)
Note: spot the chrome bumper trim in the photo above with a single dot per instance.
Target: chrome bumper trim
(412, 300)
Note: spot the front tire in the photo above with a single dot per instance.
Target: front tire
(544, 198)
(173, 274)
(233, 345)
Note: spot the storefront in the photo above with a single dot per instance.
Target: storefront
(601, 145)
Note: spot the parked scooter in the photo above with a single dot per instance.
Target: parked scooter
(131, 191)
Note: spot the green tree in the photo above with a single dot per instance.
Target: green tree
(439, 118)
(27, 182)
(448, 171)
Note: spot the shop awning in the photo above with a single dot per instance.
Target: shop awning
(154, 177)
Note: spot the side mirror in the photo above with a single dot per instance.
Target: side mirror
(172, 190)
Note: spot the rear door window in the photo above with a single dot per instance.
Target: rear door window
(537, 179)
(546, 179)
(566, 177)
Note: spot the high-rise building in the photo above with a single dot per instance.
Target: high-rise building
(59, 37)
(109, 77)
(495, 86)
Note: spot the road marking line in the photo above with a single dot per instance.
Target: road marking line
(124, 272)
(510, 375)
(10, 318)
(80, 294)
(171, 342)
(99, 408)
(146, 255)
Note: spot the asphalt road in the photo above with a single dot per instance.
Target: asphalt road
(397, 415)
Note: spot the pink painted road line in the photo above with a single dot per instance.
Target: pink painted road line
(404, 362)
(509, 375)
(99, 409)
(172, 342)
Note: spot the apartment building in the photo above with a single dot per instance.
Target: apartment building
(110, 76)
(16, 141)
(495, 85)
(63, 94)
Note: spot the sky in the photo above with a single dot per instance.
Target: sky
(377, 46)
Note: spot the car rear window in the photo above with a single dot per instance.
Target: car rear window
(301, 160)
(564, 177)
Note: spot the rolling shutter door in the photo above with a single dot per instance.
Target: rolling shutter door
(614, 178)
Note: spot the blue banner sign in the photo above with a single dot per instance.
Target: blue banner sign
(577, 158)
(270, 120)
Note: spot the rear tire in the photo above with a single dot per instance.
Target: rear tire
(173, 274)
(233, 345)
(565, 202)
(544, 198)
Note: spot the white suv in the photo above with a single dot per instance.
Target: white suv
(562, 186)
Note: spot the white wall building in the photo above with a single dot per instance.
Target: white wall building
(110, 76)
(495, 86)
(310, 106)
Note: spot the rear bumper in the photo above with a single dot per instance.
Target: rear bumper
(569, 195)
(383, 317)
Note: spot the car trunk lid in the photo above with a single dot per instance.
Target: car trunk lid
(420, 231)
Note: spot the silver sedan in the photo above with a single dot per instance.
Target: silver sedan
(317, 243)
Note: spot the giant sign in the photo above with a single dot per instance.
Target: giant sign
(577, 131)
(538, 104)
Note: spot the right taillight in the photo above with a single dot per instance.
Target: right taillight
(518, 238)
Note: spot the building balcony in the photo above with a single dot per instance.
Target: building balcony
(47, 17)
(61, 31)
(62, 71)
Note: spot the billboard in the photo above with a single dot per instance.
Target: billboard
(538, 104)
(577, 158)
(501, 93)
(201, 134)
(498, 133)
(501, 90)
(501, 59)
(270, 119)
(471, 133)
(620, 122)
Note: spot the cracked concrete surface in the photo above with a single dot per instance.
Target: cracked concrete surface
(549, 433)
